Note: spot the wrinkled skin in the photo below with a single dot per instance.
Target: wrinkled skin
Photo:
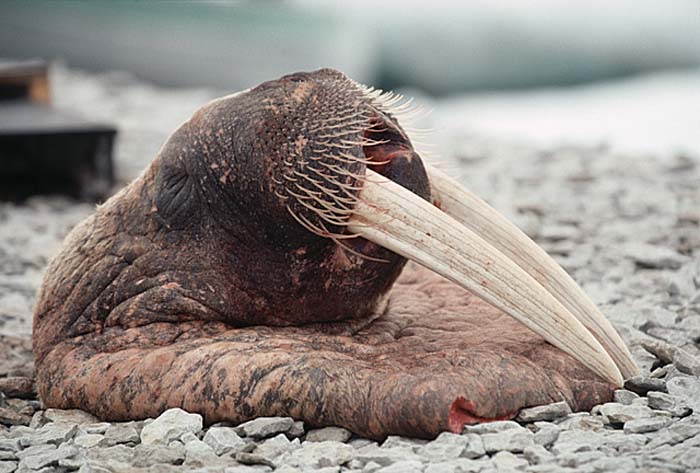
(194, 287)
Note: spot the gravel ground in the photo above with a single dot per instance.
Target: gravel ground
(626, 226)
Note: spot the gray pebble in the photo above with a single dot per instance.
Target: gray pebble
(449, 446)
(9, 444)
(405, 466)
(685, 428)
(475, 446)
(642, 385)
(117, 456)
(145, 456)
(639, 426)
(198, 453)
(491, 427)
(88, 440)
(506, 461)
(274, 447)
(337, 434)
(297, 429)
(394, 441)
(257, 469)
(371, 467)
(248, 458)
(120, 433)
(284, 469)
(546, 434)
(384, 456)
(623, 396)
(686, 363)
(7, 466)
(686, 388)
(511, 440)
(171, 425)
(578, 458)
(224, 440)
(574, 441)
(73, 463)
(623, 442)
(621, 413)
(582, 421)
(51, 433)
(615, 464)
(360, 443)
(545, 412)
(35, 450)
(70, 416)
(321, 455)
(47, 458)
(460, 465)
(653, 256)
(265, 427)
(99, 428)
(537, 454)
(674, 405)
(667, 353)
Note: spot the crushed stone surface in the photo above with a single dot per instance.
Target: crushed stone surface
(627, 227)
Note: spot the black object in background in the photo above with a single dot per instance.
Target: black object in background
(44, 150)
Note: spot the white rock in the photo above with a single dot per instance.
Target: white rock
(171, 425)
(198, 453)
(265, 427)
(70, 416)
(459, 465)
(337, 434)
(623, 396)
(7, 466)
(653, 256)
(511, 440)
(546, 412)
(319, 455)
(40, 460)
(405, 466)
(674, 405)
(506, 461)
(640, 426)
(620, 413)
(385, 456)
(492, 427)
(88, 440)
(224, 440)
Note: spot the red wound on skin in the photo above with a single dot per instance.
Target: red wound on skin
(462, 413)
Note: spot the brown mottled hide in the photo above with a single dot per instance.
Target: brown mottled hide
(196, 287)
(400, 374)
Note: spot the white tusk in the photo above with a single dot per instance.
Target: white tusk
(485, 221)
(395, 218)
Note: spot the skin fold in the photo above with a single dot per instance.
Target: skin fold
(206, 284)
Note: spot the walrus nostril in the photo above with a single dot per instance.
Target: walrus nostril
(394, 157)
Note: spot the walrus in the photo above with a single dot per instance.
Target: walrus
(258, 267)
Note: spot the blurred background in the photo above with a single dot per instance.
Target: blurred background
(624, 74)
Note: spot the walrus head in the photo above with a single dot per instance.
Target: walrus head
(322, 195)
